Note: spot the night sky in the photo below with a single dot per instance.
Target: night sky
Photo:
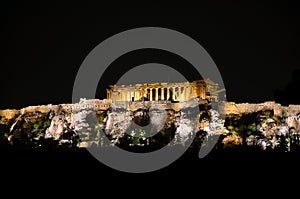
(255, 47)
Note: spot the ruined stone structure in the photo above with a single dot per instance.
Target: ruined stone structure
(181, 92)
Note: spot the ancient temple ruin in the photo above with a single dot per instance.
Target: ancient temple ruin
(181, 92)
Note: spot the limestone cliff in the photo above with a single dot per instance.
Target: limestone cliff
(265, 124)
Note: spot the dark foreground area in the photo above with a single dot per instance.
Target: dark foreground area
(218, 167)
(223, 173)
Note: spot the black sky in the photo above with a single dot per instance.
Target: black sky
(255, 46)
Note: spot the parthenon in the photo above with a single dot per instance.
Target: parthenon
(184, 91)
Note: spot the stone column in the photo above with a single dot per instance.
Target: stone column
(121, 96)
(138, 95)
(168, 93)
(173, 93)
(201, 92)
(114, 96)
(156, 94)
(195, 91)
(151, 94)
(204, 91)
(132, 95)
(187, 93)
(145, 92)
(162, 94)
(183, 94)
(127, 96)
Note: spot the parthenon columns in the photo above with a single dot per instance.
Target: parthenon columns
(145, 92)
(168, 93)
(128, 96)
(182, 90)
(202, 92)
(156, 94)
(151, 94)
(173, 93)
(136, 95)
(187, 93)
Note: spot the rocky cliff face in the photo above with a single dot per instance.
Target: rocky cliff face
(265, 125)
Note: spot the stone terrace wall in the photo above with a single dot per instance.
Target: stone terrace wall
(240, 108)
(98, 105)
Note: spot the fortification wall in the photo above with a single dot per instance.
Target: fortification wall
(100, 105)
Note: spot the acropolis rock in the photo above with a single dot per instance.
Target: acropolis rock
(171, 106)
(67, 113)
